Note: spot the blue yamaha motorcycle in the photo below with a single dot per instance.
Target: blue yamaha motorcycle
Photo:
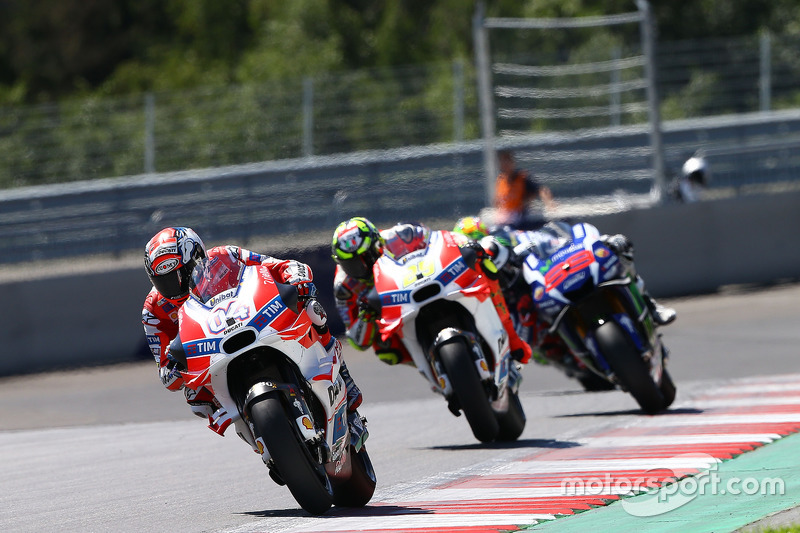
(589, 298)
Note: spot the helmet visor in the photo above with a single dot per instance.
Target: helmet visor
(172, 285)
(355, 267)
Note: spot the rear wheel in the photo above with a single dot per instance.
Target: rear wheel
(468, 389)
(357, 491)
(629, 367)
(304, 476)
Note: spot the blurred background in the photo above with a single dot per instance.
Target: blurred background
(265, 123)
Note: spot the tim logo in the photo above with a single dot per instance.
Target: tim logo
(268, 313)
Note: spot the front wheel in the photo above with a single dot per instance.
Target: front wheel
(457, 361)
(357, 491)
(629, 367)
(305, 477)
(512, 419)
(591, 382)
(668, 388)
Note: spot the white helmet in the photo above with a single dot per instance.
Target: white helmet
(695, 169)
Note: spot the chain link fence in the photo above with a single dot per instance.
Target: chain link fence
(271, 160)
(219, 126)
(340, 113)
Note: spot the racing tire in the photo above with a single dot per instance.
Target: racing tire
(512, 420)
(357, 491)
(591, 382)
(303, 475)
(667, 388)
(629, 367)
(458, 364)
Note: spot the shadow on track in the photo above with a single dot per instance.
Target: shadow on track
(639, 412)
(369, 510)
(521, 443)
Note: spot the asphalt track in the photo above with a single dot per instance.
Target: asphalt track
(109, 449)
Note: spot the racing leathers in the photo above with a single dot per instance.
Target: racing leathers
(160, 320)
(360, 321)
(362, 331)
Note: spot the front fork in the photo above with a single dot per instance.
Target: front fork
(298, 409)
(479, 360)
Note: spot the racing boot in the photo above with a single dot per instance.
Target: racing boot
(664, 315)
(358, 430)
(661, 315)
(201, 402)
(520, 350)
(357, 424)
(354, 397)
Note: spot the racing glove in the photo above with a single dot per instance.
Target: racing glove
(475, 254)
(620, 244)
(306, 291)
(299, 275)
(170, 376)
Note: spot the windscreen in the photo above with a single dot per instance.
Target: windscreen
(404, 239)
(215, 275)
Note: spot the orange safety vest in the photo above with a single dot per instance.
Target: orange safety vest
(510, 192)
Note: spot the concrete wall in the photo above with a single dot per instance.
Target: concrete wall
(684, 249)
(87, 319)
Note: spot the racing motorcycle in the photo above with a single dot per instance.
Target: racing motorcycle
(591, 301)
(247, 341)
(428, 294)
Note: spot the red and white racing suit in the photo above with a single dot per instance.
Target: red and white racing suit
(362, 331)
(160, 320)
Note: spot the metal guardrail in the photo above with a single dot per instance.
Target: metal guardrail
(267, 200)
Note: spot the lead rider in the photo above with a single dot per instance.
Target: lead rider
(169, 259)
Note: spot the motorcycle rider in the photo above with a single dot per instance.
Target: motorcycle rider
(356, 246)
(170, 256)
(519, 243)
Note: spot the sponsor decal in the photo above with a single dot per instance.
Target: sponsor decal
(573, 280)
(163, 250)
(149, 318)
(538, 293)
(559, 255)
(333, 391)
(601, 252)
(545, 266)
(166, 266)
(221, 297)
(233, 328)
(456, 267)
(266, 276)
(395, 298)
(268, 313)
(201, 347)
